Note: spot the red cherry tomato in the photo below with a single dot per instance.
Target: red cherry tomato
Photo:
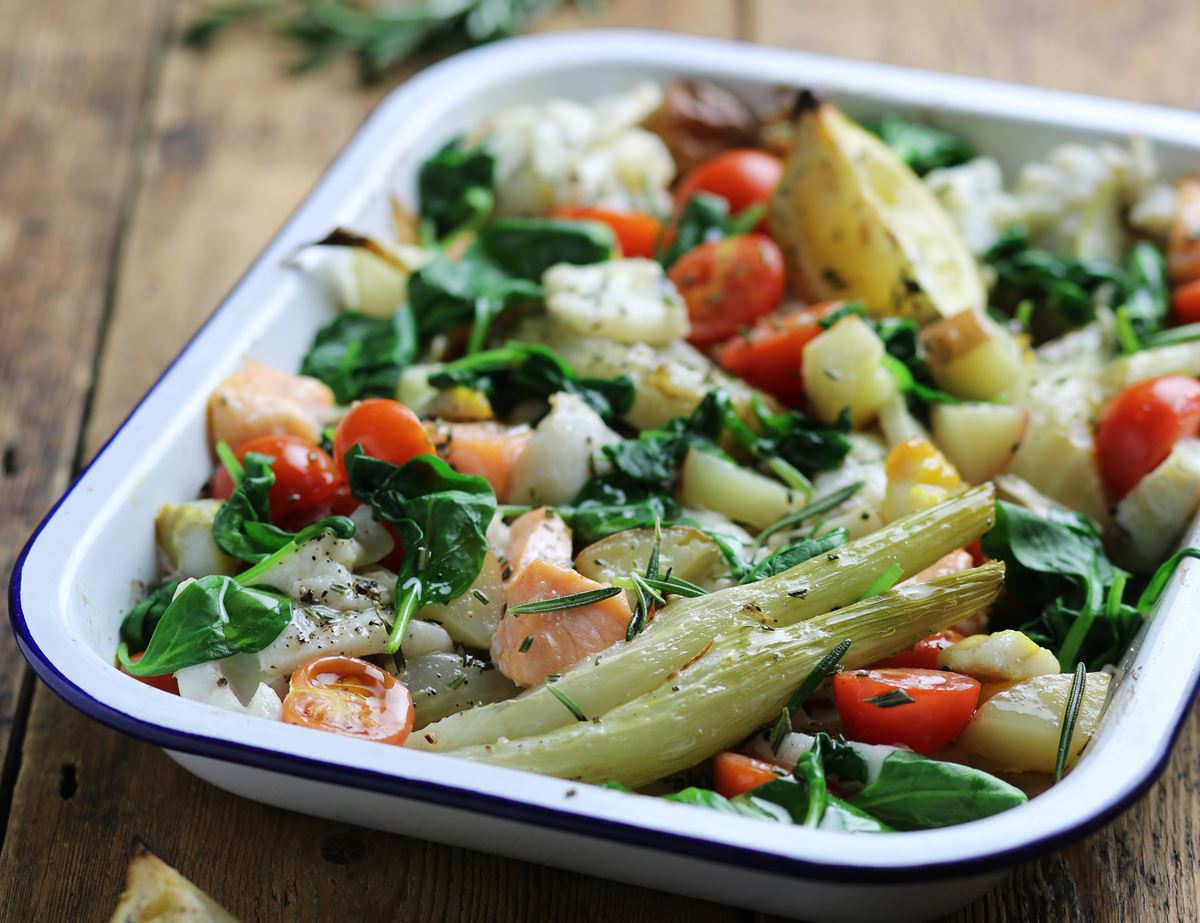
(923, 654)
(346, 695)
(1185, 303)
(637, 233)
(743, 177)
(729, 284)
(305, 475)
(942, 704)
(385, 429)
(735, 773)
(770, 355)
(1141, 425)
(166, 681)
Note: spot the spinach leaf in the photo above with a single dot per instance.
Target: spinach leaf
(913, 792)
(247, 505)
(804, 443)
(1146, 297)
(441, 517)
(647, 464)
(527, 247)
(362, 356)
(922, 147)
(1057, 567)
(242, 527)
(513, 374)
(785, 558)
(211, 618)
(138, 624)
(705, 798)
(783, 802)
(1063, 291)
(703, 219)
(445, 294)
(601, 510)
(454, 188)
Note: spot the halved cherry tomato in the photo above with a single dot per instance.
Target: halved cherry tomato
(735, 773)
(1141, 425)
(923, 654)
(637, 232)
(346, 695)
(743, 177)
(1185, 303)
(166, 681)
(942, 704)
(770, 355)
(385, 429)
(729, 284)
(305, 475)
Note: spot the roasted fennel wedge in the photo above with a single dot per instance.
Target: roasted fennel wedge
(740, 683)
(685, 627)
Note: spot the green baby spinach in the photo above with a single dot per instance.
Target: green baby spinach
(527, 247)
(1057, 568)
(454, 189)
(211, 618)
(703, 219)
(446, 294)
(914, 792)
(441, 517)
(138, 624)
(358, 356)
(518, 372)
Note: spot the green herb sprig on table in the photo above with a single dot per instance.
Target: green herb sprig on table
(380, 35)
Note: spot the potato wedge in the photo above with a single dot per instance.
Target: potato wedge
(855, 222)
(1018, 729)
(973, 357)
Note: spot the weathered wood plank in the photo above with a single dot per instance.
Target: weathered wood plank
(1140, 51)
(233, 145)
(69, 113)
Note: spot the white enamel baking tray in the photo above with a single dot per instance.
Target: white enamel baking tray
(80, 569)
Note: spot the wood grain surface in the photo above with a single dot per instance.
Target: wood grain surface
(138, 181)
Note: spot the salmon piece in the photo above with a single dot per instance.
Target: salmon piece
(944, 566)
(561, 639)
(488, 449)
(258, 400)
(539, 535)
(951, 564)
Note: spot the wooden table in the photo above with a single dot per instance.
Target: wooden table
(137, 182)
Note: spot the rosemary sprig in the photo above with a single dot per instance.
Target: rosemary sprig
(1070, 719)
(573, 601)
(890, 699)
(676, 586)
(642, 589)
(567, 701)
(380, 35)
(825, 668)
(824, 505)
